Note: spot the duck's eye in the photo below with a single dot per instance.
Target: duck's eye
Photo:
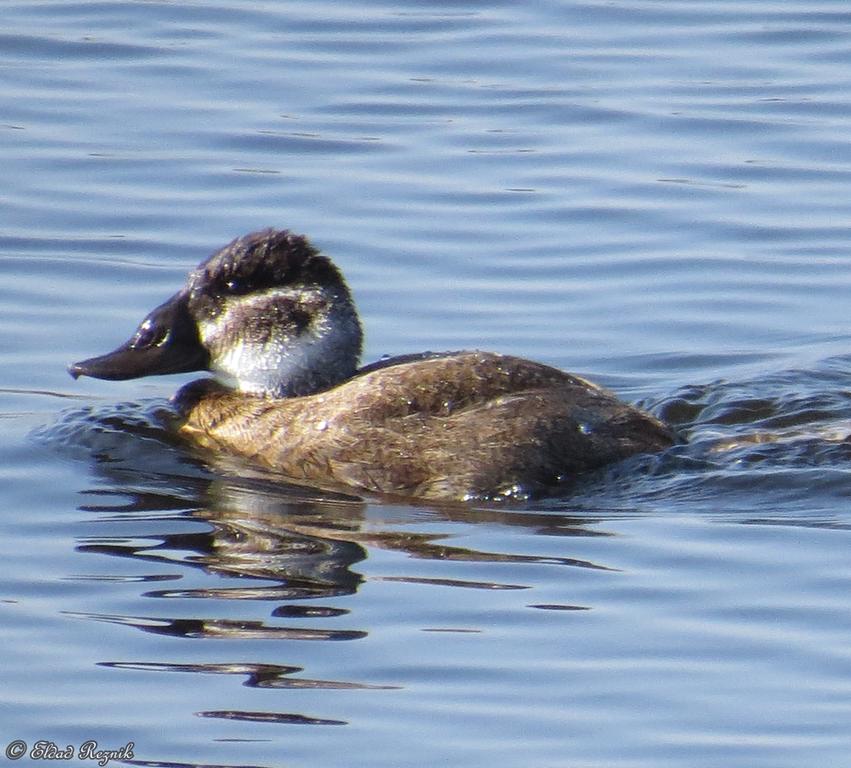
(149, 335)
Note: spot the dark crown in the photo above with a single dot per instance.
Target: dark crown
(262, 260)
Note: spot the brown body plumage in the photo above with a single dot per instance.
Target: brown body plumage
(461, 426)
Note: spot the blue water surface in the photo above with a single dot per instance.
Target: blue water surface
(654, 195)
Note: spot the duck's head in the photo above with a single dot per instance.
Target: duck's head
(268, 312)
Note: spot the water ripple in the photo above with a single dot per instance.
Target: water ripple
(221, 629)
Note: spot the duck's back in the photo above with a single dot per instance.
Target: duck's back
(457, 426)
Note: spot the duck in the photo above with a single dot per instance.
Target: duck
(274, 320)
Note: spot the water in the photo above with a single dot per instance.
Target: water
(655, 195)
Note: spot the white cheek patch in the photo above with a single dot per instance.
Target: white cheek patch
(281, 362)
(250, 365)
(234, 359)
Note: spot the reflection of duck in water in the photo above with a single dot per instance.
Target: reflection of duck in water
(272, 314)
